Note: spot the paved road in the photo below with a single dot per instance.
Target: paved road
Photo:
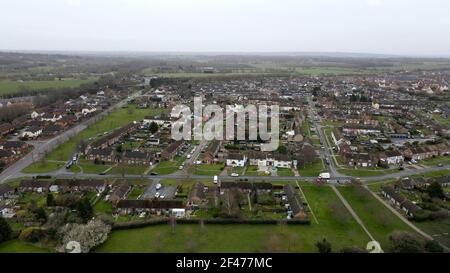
(315, 118)
(40, 150)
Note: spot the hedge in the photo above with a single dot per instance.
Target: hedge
(217, 221)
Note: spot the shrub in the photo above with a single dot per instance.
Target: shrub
(5, 230)
(32, 235)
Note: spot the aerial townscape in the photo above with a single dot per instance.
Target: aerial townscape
(225, 135)
(87, 154)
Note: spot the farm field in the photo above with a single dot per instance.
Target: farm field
(11, 87)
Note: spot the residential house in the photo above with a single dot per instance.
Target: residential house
(236, 160)
(32, 132)
(6, 128)
(105, 155)
(295, 202)
(5, 191)
(120, 192)
(172, 150)
(397, 200)
(391, 157)
(18, 147)
(7, 157)
(212, 151)
(137, 158)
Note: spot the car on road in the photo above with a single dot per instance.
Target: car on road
(153, 173)
(440, 165)
(102, 173)
(180, 168)
(234, 175)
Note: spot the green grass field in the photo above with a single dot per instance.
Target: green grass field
(366, 172)
(285, 172)
(16, 246)
(90, 167)
(43, 167)
(379, 220)
(168, 167)
(11, 87)
(312, 170)
(439, 229)
(435, 161)
(208, 169)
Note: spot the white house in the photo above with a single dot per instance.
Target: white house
(32, 132)
(265, 160)
(179, 213)
(51, 118)
(35, 115)
(236, 160)
(87, 111)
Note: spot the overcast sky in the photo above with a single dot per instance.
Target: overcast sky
(407, 27)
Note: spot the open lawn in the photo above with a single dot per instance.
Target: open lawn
(11, 87)
(168, 167)
(439, 229)
(362, 172)
(433, 173)
(285, 172)
(379, 220)
(208, 169)
(90, 167)
(445, 160)
(103, 206)
(313, 169)
(128, 169)
(43, 167)
(16, 246)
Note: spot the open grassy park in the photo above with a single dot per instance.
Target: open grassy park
(11, 87)
(43, 167)
(168, 167)
(313, 169)
(379, 220)
(208, 169)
